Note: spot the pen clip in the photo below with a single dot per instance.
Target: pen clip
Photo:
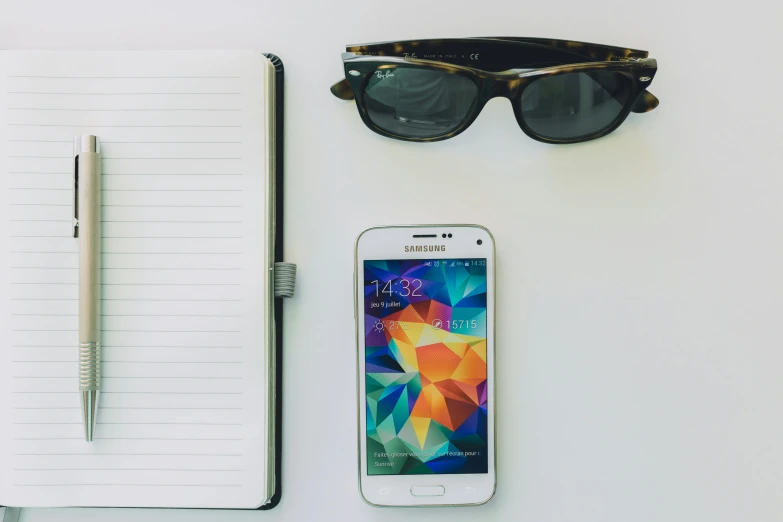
(75, 187)
(87, 143)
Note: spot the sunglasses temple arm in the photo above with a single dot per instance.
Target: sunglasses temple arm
(342, 90)
(645, 102)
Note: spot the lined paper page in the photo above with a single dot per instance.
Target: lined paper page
(182, 409)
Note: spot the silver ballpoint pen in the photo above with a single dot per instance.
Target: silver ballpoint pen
(87, 227)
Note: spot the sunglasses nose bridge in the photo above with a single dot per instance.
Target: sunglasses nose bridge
(503, 87)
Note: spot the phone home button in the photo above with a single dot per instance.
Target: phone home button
(427, 491)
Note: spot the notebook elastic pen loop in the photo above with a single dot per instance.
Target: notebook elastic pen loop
(285, 279)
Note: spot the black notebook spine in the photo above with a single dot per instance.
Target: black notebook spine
(278, 253)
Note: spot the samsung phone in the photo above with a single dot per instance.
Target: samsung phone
(425, 299)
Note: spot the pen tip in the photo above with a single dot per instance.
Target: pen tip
(89, 411)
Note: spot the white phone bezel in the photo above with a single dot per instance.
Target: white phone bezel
(389, 243)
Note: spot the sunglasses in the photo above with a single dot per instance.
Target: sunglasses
(431, 90)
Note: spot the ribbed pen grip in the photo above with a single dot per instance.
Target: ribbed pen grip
(89, 366)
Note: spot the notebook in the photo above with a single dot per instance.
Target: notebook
(189, 408)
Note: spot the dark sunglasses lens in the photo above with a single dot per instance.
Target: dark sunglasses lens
(418, 103)
(575, 105)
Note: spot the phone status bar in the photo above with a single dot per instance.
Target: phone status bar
(455, 263)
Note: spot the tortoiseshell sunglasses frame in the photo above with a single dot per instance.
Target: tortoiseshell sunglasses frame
(493, 64)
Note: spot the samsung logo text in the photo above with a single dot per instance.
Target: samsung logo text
(426, 248)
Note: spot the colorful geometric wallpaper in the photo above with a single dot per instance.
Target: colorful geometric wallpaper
(426, 366)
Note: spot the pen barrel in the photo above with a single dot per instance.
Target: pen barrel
(89, 200)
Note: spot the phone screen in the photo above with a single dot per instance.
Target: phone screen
(425, 351)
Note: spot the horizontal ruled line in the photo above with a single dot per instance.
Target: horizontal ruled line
(46, 330)
(157, 346)
(177, 142)
(119, 110)
(158, 331)
(122, 93)
(132, 331)
(39, 205)
(135, 284)
(129, 393)
(48, 315)
(129, 77)
(209, 377)
(176, 300)
(135, 454)
(173, 253)
(81, 484)
(43, 299)
(130, 315)
(134, 190)
(172, 284)
(130, 377)
(169, 315)
(129, 469)
(157, 237)
(46, 267)
(105, 361)
(176, 346)
(127, 126)
(47, 408)
(125, 158)
(136, 142)
(48, 438)
(160, 206)
(169, 190)
(66, 236)
(120, 408)
(136, 221)
(130, 423)
(156, 438)
(44, 283)
(36, 345)
(167, 174)
(160, 158)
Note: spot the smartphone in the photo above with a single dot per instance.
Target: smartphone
(425, 315)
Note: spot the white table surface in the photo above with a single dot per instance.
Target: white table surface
(640, 276)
